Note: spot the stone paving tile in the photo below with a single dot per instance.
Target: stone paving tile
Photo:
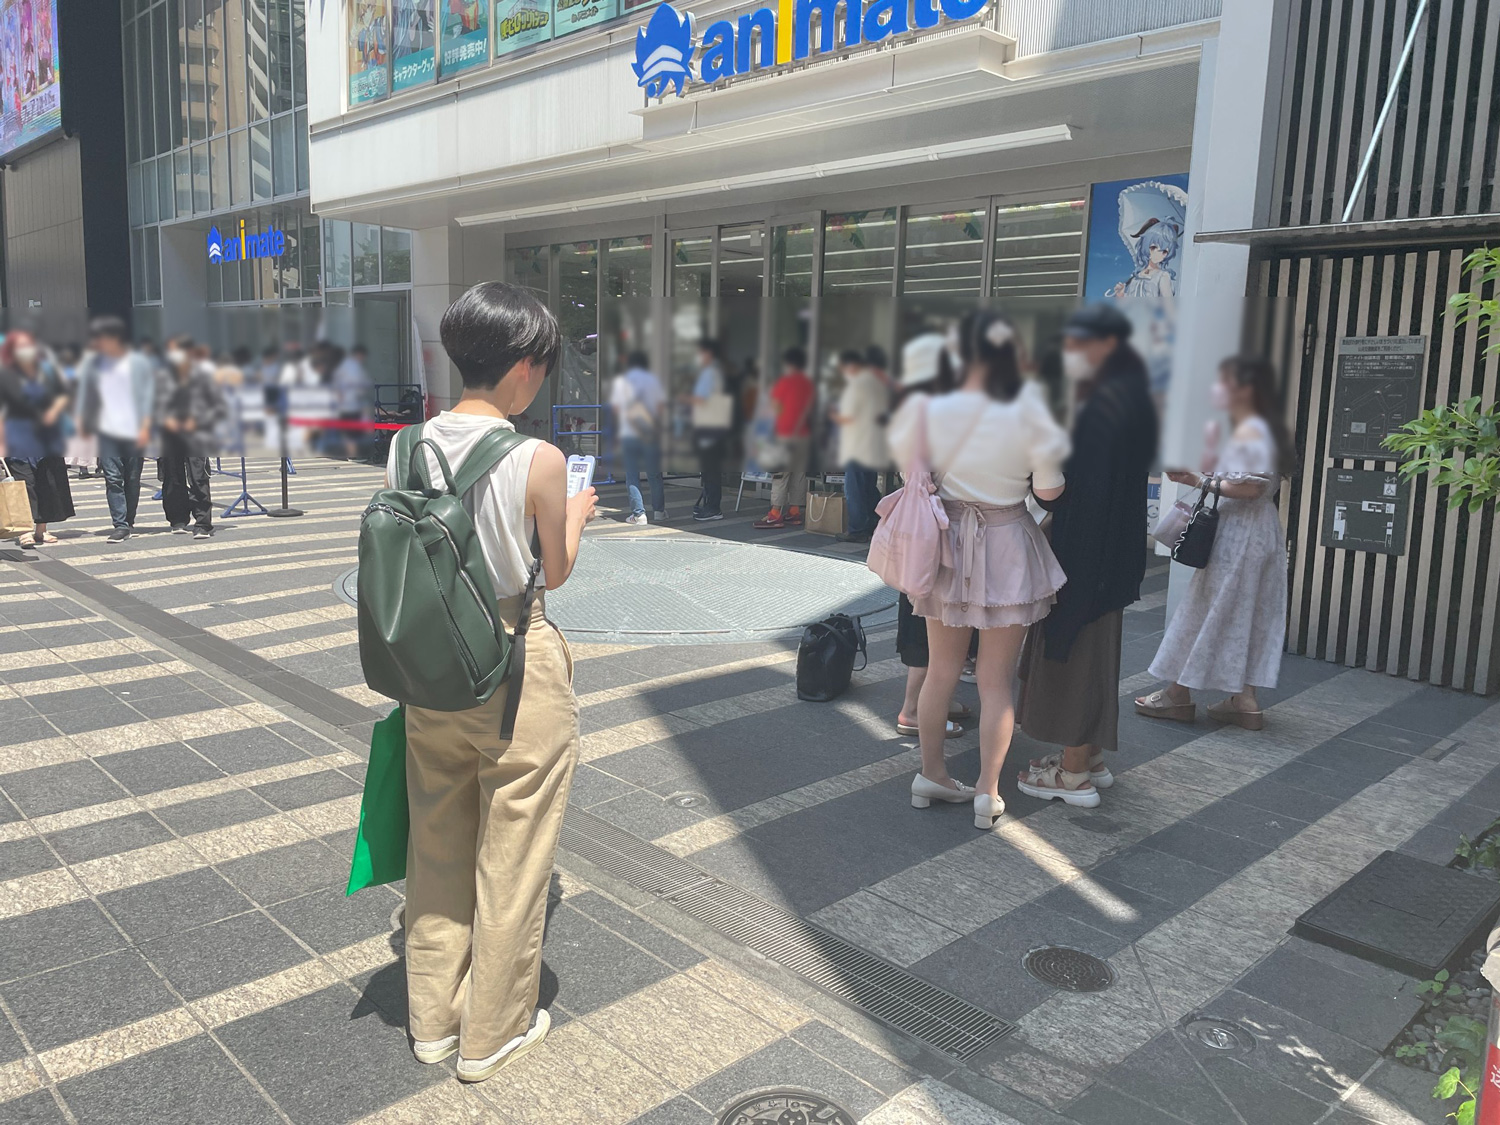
(188, 1081)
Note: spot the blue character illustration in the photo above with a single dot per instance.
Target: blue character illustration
(1153, 216)
(664, 52)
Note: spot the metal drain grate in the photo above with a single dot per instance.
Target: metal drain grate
(618, 852)
(1062, 966)
(1219, 1035)
(888, 993)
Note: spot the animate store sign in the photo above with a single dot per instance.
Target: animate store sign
(239, 246)
(665, 48)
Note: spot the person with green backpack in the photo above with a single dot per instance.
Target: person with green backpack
(455, 557)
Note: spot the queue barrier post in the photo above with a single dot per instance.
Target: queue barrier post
(557, 433)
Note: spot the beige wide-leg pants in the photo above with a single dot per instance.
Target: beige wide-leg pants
(485, 818)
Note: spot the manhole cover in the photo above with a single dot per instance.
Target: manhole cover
(1219, 1035)
(784, 1107)
(346, 585)
(1072, 969)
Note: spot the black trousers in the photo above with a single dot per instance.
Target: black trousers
(184, 485)
(710, 446)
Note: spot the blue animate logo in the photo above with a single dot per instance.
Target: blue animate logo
(238, 246)
(789, 31)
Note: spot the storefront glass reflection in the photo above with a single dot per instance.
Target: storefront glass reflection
(1037, 248)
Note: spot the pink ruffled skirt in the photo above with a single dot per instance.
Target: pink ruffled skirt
(997, 569)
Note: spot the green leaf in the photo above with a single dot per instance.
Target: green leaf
(1464, 1115)
(1447, 1083)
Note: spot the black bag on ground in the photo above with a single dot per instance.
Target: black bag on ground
(1196, 544)
(825, 657)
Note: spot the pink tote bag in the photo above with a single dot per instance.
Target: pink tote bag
(908, 544)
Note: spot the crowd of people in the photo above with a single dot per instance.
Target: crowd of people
(112, 406)
(1044, 549)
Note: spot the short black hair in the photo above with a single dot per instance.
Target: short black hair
(875, 356)
(359, 349)
(709, 346)
(851, 358)
(112, 326)
(794, 357)
(637, 359)
(493, 327)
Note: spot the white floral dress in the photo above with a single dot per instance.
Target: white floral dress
(1230, 630)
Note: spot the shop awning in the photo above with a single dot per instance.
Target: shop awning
(1435, 233)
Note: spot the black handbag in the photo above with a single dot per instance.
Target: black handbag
(825, 657)
(1196, 543)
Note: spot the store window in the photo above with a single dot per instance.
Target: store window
(338, 255)
(742, 278)
(395, 256)
(942, 271)
(625, 317)
(859, 283)
(366, 260)
(793, 248)
(1038, 248)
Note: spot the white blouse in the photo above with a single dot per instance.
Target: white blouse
(982, 451)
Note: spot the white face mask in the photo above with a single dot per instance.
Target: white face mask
(176, 358)
(1076, 367)
(1219, 396)
(26, 353)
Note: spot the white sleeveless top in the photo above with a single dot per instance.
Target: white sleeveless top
(497, 504)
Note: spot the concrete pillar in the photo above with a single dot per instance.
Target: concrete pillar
(437, 276)
(1234, 133)
(184, 280)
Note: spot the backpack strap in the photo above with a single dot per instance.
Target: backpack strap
(488, 452)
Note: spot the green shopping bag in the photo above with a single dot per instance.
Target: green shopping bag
(384, 817)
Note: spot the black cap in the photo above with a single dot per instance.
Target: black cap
(1096, 321)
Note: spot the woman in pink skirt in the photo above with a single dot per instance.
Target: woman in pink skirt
(992, 439)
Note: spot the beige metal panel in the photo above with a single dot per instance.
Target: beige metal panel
(1327, 562)
(1306, 296)
(1486, 666)
(1471, 382)
(1330, 93)
(1398, 658)
(1364, 610)
(1391, 571)
(1303, 140)
(1416, 79)
(1452, 171)
(1485, 121)
(1443, 265)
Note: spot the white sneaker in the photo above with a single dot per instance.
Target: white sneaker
(1098, 772)
(637, 520)
(924, 792)
(1052, 782)
(434, 1050)
(477, 1070)
(660, 517)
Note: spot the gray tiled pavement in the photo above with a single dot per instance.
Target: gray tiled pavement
(177, 845)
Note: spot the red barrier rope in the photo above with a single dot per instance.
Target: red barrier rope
(345, 424)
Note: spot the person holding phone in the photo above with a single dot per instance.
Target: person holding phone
(1229, 632)
(486, 814)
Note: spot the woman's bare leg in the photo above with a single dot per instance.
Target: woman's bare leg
(999, 651)
(946, 649)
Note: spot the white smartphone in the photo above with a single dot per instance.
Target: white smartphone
(580, 474)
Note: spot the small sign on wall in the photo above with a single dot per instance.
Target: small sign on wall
(1365, 510)
(1377, 389)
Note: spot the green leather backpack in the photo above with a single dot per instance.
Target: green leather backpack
(430, 633)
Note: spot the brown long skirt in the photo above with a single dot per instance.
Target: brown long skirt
(1074, 702)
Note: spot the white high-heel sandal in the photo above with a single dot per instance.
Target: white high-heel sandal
(987, 810)
(924, 792)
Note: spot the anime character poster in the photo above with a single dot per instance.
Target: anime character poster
(521, 23)
(413, 44)
(369, 51)
(575, 15)
(1135, 260)
(464, 26)
(30, 73)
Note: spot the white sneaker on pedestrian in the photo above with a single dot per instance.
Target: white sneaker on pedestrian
(637, 520)
(659, 517)
(477, 1070)
(1052, 782)
(1098, 772)
(434, 1050)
